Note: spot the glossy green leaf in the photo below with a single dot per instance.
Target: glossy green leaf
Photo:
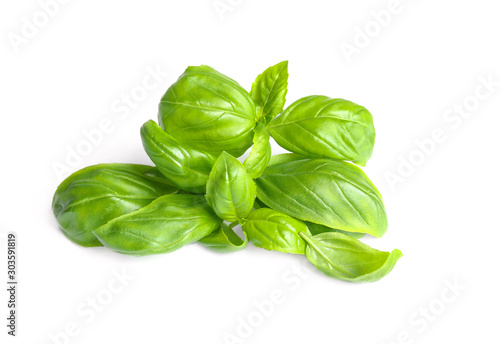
(319, 126)
(185, 167)
(316, 228)
(330, 192)
(273, 230)
(224, 240)
(165, 225)
(341, 256)
(208, 111)
(97, 194)
(260, 154)
(230, 190)
(269, 90)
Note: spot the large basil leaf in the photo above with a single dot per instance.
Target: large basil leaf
(230, 190)
(273, 230)
(343, 257)
(224, 240)
(260, 154)
(185, 167)
(165, 225)
(319, 126)
(208, 111)
(330, 192)
(97, 194)
(269, 90)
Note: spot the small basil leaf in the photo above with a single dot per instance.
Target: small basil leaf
(97, 194)
(319, 126)
(269, 90)
(316, 228)
(185, 167)
(230, 190)
(330, 192)
(208, 111)
(273, 230)
(341, 256)
(223, 240)
(165, 225)
(260, 154)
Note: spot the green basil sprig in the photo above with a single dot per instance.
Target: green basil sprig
(230, 190)
(165, 225)
(273, 230)
(341, 256)
(312, 202)
(184, 166)
(208, 111)
(319, 126)
(97, 194)
(324, 191)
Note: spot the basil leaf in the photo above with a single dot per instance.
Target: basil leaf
(269, 90)
(97, 194)
(273, 230)
(324, 191)
(316, 228)
(230, 190)
(165, 225)
(185, 167)
(340, 256)
(224, 240)
(260, 154)
(208, 111)
(319, 126)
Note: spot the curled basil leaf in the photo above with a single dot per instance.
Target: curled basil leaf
(316, 228)
(324, 191)
(165, 225)
(185, 167)
(97, 194)
(208, 111)
(341, 256)
(319, 126)
(269, 90)
(260, 154)
(273, 230)
(230, 190)
(224, 240)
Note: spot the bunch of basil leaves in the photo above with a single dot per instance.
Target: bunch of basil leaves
(313, 201)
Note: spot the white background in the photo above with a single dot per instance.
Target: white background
(430, 57)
